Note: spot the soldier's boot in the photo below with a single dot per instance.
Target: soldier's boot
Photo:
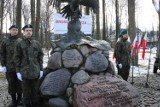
(14, 102)
(19, 99)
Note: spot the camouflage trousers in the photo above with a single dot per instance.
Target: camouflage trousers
(14, 85)
(30, 89)
(124, 71)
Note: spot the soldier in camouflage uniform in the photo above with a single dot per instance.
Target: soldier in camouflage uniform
(122, 54)
(8, 66)
(29, 66)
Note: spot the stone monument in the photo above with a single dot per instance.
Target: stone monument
(80, 74)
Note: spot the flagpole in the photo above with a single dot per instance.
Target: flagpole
(132, 68)
(132, 75)
(147, 78)
(138, 70)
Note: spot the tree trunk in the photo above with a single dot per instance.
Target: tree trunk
(158, 45)
(1, 19)
(18, 16)
(46, 29)
(158, 33)
(33, 16)
(131, 19)
(97, 35)
(14, 13)
(117, 19)
(104, 20)
(37, 26)
(87, 11)
(132, 27)
(41, 37)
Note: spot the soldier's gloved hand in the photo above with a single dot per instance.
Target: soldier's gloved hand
(19, 76)
(120, 66)
(4, 69)
(40, 74)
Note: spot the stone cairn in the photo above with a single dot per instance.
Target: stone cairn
(80, 74)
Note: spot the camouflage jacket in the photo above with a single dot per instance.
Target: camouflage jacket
(29, 58)
(122, 52)
(7, 53)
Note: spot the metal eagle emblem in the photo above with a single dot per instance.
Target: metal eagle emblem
(71, 10)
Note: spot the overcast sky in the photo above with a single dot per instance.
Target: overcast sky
(147, 15)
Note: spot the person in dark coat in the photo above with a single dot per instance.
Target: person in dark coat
(29, 66)
(8, 66)
(122, 54)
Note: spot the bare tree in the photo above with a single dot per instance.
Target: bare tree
(33, 15)
(132, 27)
(14, 11)
(18, 16)
(157, 7)
(87, 11)
(104, 20)
(26, 13)
(1, 18)
(117, 19)
(11, 10)
(131, 19)
(46, 16)
(37, 24)
(98, 35)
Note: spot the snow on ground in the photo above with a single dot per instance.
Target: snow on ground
(140, 70)
(46, 57)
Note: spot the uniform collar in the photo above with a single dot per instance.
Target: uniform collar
(123, 40)
(13, 37)
(27, 39)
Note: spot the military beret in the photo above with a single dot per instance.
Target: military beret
(123, 32)
(120, 35)
(27, 26)
(13, 26)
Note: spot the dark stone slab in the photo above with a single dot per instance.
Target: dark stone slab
(58, 102)
(96, 62)
(55, 83)
(71, 58)
(54, 61)
(105, 91)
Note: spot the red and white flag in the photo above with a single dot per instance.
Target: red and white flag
(135, 46)
(143, 45)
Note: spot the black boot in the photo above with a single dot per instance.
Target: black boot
(19, 99)
(14, 102)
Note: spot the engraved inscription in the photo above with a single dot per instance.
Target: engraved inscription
(102, 92)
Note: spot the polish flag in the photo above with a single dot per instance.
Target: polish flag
(143, 45)
(135, 46)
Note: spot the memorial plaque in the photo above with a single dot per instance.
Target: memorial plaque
(55, 83)
(96, 62)
(105, 91)
(71, 58)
